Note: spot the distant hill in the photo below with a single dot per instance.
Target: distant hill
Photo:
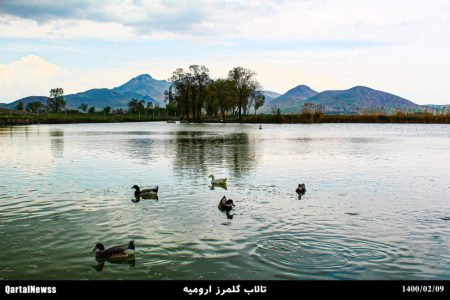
(271, 95)
(293, 99)
(142, 87)
(360, 98)
(26, 100)
(145, 86)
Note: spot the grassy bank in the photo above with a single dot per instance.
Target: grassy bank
(20, 118)
(61, 118)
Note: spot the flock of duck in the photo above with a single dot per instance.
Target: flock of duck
(126, 252)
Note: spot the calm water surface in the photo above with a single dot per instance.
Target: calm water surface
(377, 204)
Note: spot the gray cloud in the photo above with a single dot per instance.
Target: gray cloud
(191, 17)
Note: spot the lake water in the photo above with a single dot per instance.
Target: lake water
(377, 204)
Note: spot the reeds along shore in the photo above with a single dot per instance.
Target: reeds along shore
(62, 118)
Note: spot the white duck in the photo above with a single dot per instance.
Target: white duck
(219, 181)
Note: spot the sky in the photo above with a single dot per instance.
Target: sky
(401, 47)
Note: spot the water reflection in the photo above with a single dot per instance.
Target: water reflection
(219, 185)
(358, 190)
(151, 196)
(101, 264)
(196, 151)
(57, 142)
(140, 148)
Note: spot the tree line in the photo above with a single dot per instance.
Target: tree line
(193, 93)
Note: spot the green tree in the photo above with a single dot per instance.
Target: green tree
(245, 85)
(91, 110)
(34, 106)
(258, 100)
(199, 81)
(20, 106)
(56, 100)
(84, 107)
(221, 91)
(169, 100)
(107, 109)
(133, 105)
(181, 87)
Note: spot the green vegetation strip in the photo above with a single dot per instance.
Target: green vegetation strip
(62, 118)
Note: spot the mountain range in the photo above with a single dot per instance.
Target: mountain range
(145, 87)
(142, 87)
(353, 100)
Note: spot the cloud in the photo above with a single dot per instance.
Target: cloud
(142, 17)
(29, 75)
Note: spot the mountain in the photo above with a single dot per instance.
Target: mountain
(142, 87)
(271, 95)
(25, 101)
(361, 98)
(293, 99)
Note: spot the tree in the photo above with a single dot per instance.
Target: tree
(169, 100)
(181, 86)
(91, 110)
(221, 91)
(20, 106)
(107, 109)
(141, 106)
(83, 107)
(34, 106)
(245, 85)
(258, 100)
(199, 81)
(56, 100)
(133, 105)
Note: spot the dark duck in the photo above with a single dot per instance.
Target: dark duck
(122, 252)
(225, 204)
(142, 193)
(301, 189)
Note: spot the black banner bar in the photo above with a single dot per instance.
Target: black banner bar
(201, 289)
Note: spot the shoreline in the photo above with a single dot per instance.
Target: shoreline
(30, 119)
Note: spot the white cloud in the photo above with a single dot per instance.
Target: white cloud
(30, 75)
(398, 46)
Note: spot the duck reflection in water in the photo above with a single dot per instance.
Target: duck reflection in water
(145, 197)
(229, 215)
(101, 264)
(220, 185)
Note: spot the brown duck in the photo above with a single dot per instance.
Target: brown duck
(121, 252)
(225, 204)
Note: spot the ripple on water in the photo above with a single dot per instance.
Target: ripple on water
(294, 252)
(298, 253)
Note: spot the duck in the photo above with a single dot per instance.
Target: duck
(301, 189)
(139, 193)
(220, 181)
(225, 204)
(122, 252)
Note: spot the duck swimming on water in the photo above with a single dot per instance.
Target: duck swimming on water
(218, 181)
(225, 204)
(141, 193)
(301, 189)
(122, 252)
